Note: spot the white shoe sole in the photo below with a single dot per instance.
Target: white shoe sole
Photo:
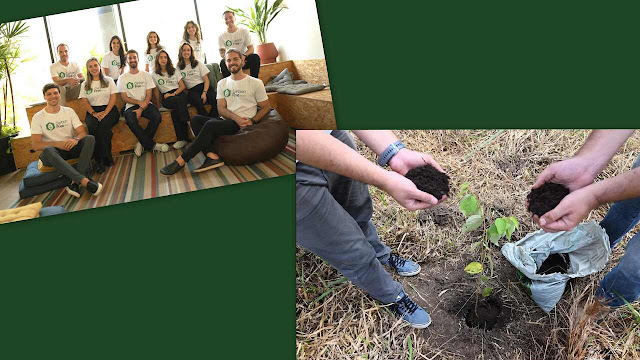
(412, 273)
(72, 193)
(208, 167)
(420, 326)
(98, 191)
(180, 146)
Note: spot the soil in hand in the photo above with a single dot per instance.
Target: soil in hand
(430, 180)
(546, 198)
(484, 314)
(555, 263)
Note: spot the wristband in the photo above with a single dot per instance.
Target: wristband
(389, 152)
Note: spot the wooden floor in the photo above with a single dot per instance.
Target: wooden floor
(9, 188)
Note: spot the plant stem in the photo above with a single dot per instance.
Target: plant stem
(13, 103)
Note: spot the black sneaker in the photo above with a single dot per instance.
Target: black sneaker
(171, 169)
(108, 161)
(209, 164)
(94, 188)
(100, 166)
(73, 190)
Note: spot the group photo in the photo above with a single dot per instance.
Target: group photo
(129, 110)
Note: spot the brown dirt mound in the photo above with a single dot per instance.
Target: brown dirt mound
(555, 263)
(430, 180)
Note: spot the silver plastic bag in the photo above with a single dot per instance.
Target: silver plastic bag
(587, 247)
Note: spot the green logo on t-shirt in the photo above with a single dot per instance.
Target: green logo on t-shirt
(161, 81)
(129, 85)
(115, 63)
(88, 92)
(50, 126)
(61, 74)
(150, 57)
(184, 74)
(227, 92)
(228, 43)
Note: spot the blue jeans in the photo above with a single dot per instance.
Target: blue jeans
(333, 220)
(623, 281)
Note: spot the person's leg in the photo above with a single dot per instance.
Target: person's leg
(623, 281)
(253, 64)
(133, 124)
(105, 134)
(223, 69)
(155, 118)
(179, 124)
(83, 151)
(325, 228)
(93, 125)
(622, 216)
(55, 158)
(195, 100)
(206, 135)
(211, 100)
(73, 93)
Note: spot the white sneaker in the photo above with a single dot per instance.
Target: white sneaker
(161, 147)
(138, 149)
(179, 144)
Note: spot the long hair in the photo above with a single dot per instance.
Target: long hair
(185, 35)
(192, 59)
(158, 46)
(123, 59)
(170, 69)
(89, 78)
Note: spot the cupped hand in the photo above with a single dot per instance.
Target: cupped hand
(574, 208)
(406, 193)
(406, 159)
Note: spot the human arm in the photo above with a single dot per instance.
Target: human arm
(85, 104)
(205, 78)
(62, 82)
(110, 105)
(264, 108)
(249, 50)
(222, 51)
(321, 150)
(38, 144)
(228, 114)
(576, 206)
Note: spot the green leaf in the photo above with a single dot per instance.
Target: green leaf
(501, 225)
(484, 278)
(479, 211)
(472, 223)
(468, 204)
(486, 291)
(463, 189)
(473, 268)
(475, 245)
(514, 220)
(494, 236)
(512, 225)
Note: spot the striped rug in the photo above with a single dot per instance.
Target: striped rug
(134, 178)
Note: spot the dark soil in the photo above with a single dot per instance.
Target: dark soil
(430, 180)
(484, 314)
(546, 198)
(555, 263)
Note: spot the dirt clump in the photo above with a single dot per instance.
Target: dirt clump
(555, 263)
(546, 198)
(484, 314)
(430, 180)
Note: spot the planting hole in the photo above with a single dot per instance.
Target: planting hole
(430, 180)
(546, 198)
(555, 263)
(484, 314)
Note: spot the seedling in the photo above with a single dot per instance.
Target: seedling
(474, 212)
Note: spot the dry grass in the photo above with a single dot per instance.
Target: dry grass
(336, 320)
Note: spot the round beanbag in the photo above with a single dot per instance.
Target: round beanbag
(255, 143)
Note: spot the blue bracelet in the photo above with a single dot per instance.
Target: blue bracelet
(389, 152)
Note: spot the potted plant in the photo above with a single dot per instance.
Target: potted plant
(257, 20)
(10, 34)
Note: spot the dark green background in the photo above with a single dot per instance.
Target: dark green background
(211, 274)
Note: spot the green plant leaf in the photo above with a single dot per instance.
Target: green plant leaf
(486, 291)
(468, 204)
(484, 278)
(501, 225)
(475, 245)
(473, 268)
(514, 220)
(472, 223)
(479, 211)
(494, 236)
(463, 189)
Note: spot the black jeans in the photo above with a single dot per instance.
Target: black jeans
(206, 129)
(179, 113)
(194, 99)
(251, 62)
(101, 130)
(52, 156)
(145, 136)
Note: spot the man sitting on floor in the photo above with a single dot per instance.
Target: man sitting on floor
(239, 97)
(135, 86)
(52, 131)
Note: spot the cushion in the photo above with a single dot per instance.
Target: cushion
(255, 143)
(22, 213)
(33, 176)
(43, 168)
(29, 191)
(52, 210)
(297, 89)
(215, 75)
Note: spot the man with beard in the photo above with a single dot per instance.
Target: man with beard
(242, 101)
(136, 86)
(52, 132)
(67, 74)
(237, 38)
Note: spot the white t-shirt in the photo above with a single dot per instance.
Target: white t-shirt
(165, 82)
(198, 49)
(98, 95)
(241, 39)
(111, 65)
(150, 59)
(55, 127)
(193, 76)
(135, 86)
(64, 72)
(242, 96)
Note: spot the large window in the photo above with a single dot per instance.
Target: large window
(165, 17)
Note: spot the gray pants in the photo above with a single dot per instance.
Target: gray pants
(333, 220)
(54, 157)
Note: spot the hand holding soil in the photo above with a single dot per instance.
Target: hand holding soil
(574, 208)
(573, 173)
(430, 180)
(545, 198)
(406, 160)
(406, 193)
